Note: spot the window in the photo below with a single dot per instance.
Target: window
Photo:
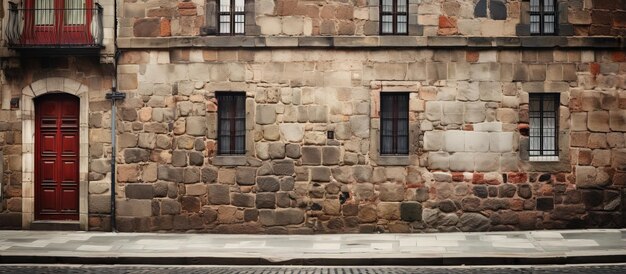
(231, 126)
(542, 17)
(394, 17)
(543, 115)
(394, 123)
(231, 17)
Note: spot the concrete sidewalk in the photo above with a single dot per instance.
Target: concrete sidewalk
(486, 248)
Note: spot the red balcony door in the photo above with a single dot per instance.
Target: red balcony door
(58, 22)
(56, 157)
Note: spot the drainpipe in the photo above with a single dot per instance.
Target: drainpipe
(114, 95)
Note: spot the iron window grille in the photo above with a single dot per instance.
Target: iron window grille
(543, 16)
(394, 123)
(543, 114)
(231, 125)
(394, 16)
(231, 18)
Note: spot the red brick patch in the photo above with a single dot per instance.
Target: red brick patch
(166, 27)
(472, 56)
(594, 68)
(517, 177)
(186, 5)
(618, 56)
(447, 26)
(478, 178)
(457, 177)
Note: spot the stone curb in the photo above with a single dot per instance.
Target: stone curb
(406, 261)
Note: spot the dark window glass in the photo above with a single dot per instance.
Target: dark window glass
(394, 16)
(394, 123)
(231, 126)
(231, 17)
(543, 17)
(543, 115)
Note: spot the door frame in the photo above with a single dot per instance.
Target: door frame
(27, 116)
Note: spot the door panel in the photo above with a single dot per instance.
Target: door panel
(56, 150)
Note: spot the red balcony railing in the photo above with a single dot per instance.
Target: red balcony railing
(71, 26)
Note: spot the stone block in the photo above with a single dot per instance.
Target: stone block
(476, 141)
(454, 140)
(598, 121)
(331, 155)
(410, 211)
(485, 162)
(579, 121)
(265, 200)
(391, 192)
(360, 125)
(433, 140)
(320, 174)
(311, 155)
(134, 208)
(196, 126)
(618, 160)
(198, 189)
(490, 91)
(475, 112)
(281, 217)
(170, 207)
(452, 113)
(245, 175)
(265, 114)
(438, 160)
(293, 151)
(243, 199)
(99, 204)
(617, 120)
(277, 150)
(292, 132)
(267, 184)
(283, 167)
(219, 194)
(388, 210)
(363, 174)
(434, 110)
(501, 141)
(139, 191)
(462, 161)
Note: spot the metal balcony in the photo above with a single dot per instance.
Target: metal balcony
(54, 28)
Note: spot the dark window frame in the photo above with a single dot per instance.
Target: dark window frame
(395, 120)
(231, 111)
(541, 99)
(540, 12)
(232, 14)
(394, 15)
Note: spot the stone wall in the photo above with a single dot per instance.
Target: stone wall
(342, 18)
(18, 75)
(466, 170)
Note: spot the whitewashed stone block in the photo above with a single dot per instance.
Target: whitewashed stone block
(476, 141)
(433, 140)
(501, 141)
(455, 141)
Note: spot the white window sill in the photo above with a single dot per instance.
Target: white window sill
(543, 158)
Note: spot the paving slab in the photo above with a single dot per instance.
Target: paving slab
(479, 248)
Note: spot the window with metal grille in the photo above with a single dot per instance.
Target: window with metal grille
(543, 17)
(394, 16)
(543, 114)
(231, 17)
(231, 125)
(394, 123)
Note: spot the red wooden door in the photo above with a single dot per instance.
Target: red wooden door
(56, 157)
(58, 22)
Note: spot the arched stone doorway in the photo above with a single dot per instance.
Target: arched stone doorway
(30, 94)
